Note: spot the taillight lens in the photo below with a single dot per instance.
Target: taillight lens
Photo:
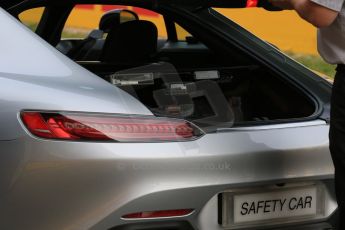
(96, 127)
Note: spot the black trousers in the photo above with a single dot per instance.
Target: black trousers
(337, 139)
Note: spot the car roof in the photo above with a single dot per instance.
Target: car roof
(195, 3)
(9, 3)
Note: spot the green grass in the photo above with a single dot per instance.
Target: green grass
(66, 33)
(75, 32)
(31, 26)
(315, 63)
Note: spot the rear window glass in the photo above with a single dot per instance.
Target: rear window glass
(284, 29)
(31, 17)
(182, 34)
(85, 18)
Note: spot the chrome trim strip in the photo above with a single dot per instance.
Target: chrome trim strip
(275, 126)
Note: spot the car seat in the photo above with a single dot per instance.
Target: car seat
(94, 41)
(131, 43)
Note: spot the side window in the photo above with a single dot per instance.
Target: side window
(81, 21)
(85, 18)
(31, 17)
(181, 33)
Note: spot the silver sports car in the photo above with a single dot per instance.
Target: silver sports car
(125, 129)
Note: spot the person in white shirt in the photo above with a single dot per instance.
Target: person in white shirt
(329, 17)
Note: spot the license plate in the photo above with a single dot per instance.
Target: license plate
(270, 205)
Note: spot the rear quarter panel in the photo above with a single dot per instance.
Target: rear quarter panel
(35, 76)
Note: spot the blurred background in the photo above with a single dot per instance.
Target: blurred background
(283, 29)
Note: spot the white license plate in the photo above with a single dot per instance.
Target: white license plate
(275, 205)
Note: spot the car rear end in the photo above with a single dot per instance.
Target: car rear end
(209, 183)
(80, 153)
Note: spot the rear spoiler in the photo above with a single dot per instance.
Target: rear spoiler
(243, 4)
(200, 4)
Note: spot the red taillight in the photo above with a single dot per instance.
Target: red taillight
(159, 214)
(84, 126)
(252, 3)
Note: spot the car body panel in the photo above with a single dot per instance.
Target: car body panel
(212, 164)
(48, 184)
(49, 81)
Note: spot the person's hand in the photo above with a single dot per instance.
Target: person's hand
(283, 4)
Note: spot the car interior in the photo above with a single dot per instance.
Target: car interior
(185, 78)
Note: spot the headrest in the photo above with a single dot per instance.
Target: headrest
(110, 20)
(131, 42)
